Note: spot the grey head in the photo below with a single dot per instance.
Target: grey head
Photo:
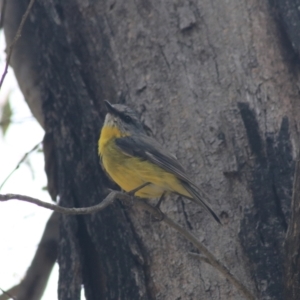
(124, 118)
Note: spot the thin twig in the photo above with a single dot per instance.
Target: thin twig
(10, 121)
(200, 257)
(8, 294)
(19, 163)
(211, 259)
(16, 38)
(112, 196)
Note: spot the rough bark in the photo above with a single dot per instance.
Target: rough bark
(217, 83)
(292, 244)
(288, 17)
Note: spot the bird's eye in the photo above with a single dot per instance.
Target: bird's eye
(127, 119)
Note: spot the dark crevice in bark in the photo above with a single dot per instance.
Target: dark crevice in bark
(94, 275)
(118, 250)
(287, 15)
(252, 129)
(146, 263)
(279, 210)
(70, 268)
(271, 186)
(292, 253)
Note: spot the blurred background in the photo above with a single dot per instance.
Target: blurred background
(21, 224)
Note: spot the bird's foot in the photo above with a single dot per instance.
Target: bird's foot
(132, 192)
(160, 200)
(158, 217)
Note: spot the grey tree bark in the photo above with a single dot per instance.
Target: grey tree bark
(217, 81)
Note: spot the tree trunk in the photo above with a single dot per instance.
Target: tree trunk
(217, 84)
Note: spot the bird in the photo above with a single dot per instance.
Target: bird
(137, 162)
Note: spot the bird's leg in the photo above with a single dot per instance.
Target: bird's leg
(157, 206)
(132, 192)
(160, 200)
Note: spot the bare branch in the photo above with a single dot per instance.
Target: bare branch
(17, 36)
(111, 197)
(19, 163)
(20, 121)
(200, 257)
(6, 295)
(210, 258)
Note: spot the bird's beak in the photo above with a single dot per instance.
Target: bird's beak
(110, 108)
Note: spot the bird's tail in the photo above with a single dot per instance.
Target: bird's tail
(198, 197)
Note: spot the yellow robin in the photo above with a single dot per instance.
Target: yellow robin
(136, 161)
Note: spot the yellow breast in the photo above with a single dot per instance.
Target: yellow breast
(119, 166)
(107, 135)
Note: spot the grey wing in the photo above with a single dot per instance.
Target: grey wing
(148, 148)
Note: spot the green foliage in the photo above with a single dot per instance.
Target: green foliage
(5, 119)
